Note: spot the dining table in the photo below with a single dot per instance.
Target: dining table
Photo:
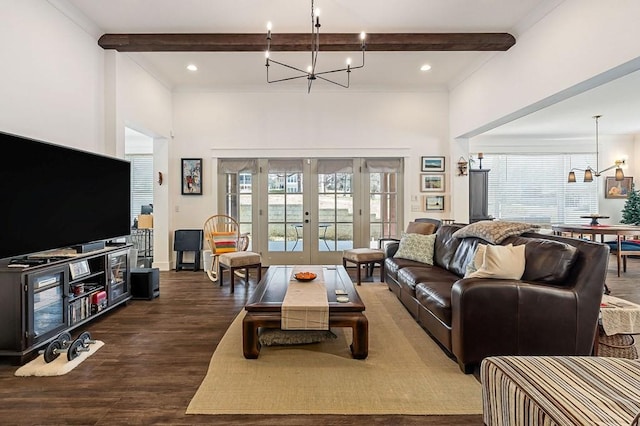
(619, 231)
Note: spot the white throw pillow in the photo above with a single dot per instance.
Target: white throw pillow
(502, 262)
(417, 247)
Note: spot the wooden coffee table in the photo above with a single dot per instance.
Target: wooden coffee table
(264, 308)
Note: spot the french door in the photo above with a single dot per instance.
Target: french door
(307, 211)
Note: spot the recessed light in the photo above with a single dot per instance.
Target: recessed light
(192, 67)
(425, 67)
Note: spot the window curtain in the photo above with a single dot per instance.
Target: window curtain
(285, 166)
(393, 165)
(237, 166)
(335, 166)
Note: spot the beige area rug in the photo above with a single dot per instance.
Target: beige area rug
(405, 373)
(57, 367)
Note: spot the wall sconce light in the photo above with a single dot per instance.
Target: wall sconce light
(462, 166)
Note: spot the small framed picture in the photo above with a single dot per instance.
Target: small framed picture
(191, 176)
(434, 202)
(79, 269)
(432, 182)
(618, 188)
(432, 164)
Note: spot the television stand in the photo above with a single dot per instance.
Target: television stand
(55, 292)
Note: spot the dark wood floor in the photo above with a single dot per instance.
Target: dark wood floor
(157, 353)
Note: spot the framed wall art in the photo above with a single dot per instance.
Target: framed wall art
(432, 182)
(434, 202)
(191, 176)
(618, 189)
(432, 164)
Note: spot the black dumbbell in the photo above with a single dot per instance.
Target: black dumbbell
(61, 345)
(86, 339)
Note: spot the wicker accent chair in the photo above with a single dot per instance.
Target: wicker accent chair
(229, 250)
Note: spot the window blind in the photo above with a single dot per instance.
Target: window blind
(141, 182)
(534, 188)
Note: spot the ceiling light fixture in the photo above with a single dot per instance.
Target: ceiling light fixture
(192, 67)
(311, 73)
(425, 67)
(589, 172)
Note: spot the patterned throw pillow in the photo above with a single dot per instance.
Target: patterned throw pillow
(417, 247)
(501, 262)
(494, 231)
(225, 242)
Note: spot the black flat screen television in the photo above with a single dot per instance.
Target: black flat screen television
(57, 197)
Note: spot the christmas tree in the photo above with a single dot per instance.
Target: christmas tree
(631, 210)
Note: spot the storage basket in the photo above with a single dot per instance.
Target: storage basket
(617, 345)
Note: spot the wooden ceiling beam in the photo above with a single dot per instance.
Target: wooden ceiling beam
(337, 42)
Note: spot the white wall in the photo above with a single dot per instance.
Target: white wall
(135, 99)
(566, 52)
(298, 124)
(52, 77)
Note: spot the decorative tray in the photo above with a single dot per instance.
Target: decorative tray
(305, 276)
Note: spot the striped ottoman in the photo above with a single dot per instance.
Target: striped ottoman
(560, 390)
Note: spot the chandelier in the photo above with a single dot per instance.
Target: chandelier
(589, 172)
(311, 72)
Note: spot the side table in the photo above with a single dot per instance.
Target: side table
(619, 321)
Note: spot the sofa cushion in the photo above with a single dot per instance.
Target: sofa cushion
(435, 296)
(500, 262)
(478, 259)
(411, 276)
(494, 231)
(547, 261)
(417, 247)
(392, 265)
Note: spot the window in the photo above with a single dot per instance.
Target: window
(238, 191)
(141, 182)
(384, 176)
(534, 188)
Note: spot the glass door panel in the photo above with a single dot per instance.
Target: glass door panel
(46, 296)
(383, 205)
(286, 238)
(307, 211)
(335, 212)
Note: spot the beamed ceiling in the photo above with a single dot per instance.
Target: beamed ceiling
(298, 42)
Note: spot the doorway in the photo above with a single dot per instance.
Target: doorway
(307, 211)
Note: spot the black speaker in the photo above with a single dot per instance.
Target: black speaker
(145, 283)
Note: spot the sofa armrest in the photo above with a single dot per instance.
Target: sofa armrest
(494, 317)
(389, 246)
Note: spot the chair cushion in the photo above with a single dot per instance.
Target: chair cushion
(239, 258)
(624, 245)
(363, 255)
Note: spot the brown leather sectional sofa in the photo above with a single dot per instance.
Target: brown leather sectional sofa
(552, 310)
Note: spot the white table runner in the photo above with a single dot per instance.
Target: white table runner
(305, 306)
(619, 316)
